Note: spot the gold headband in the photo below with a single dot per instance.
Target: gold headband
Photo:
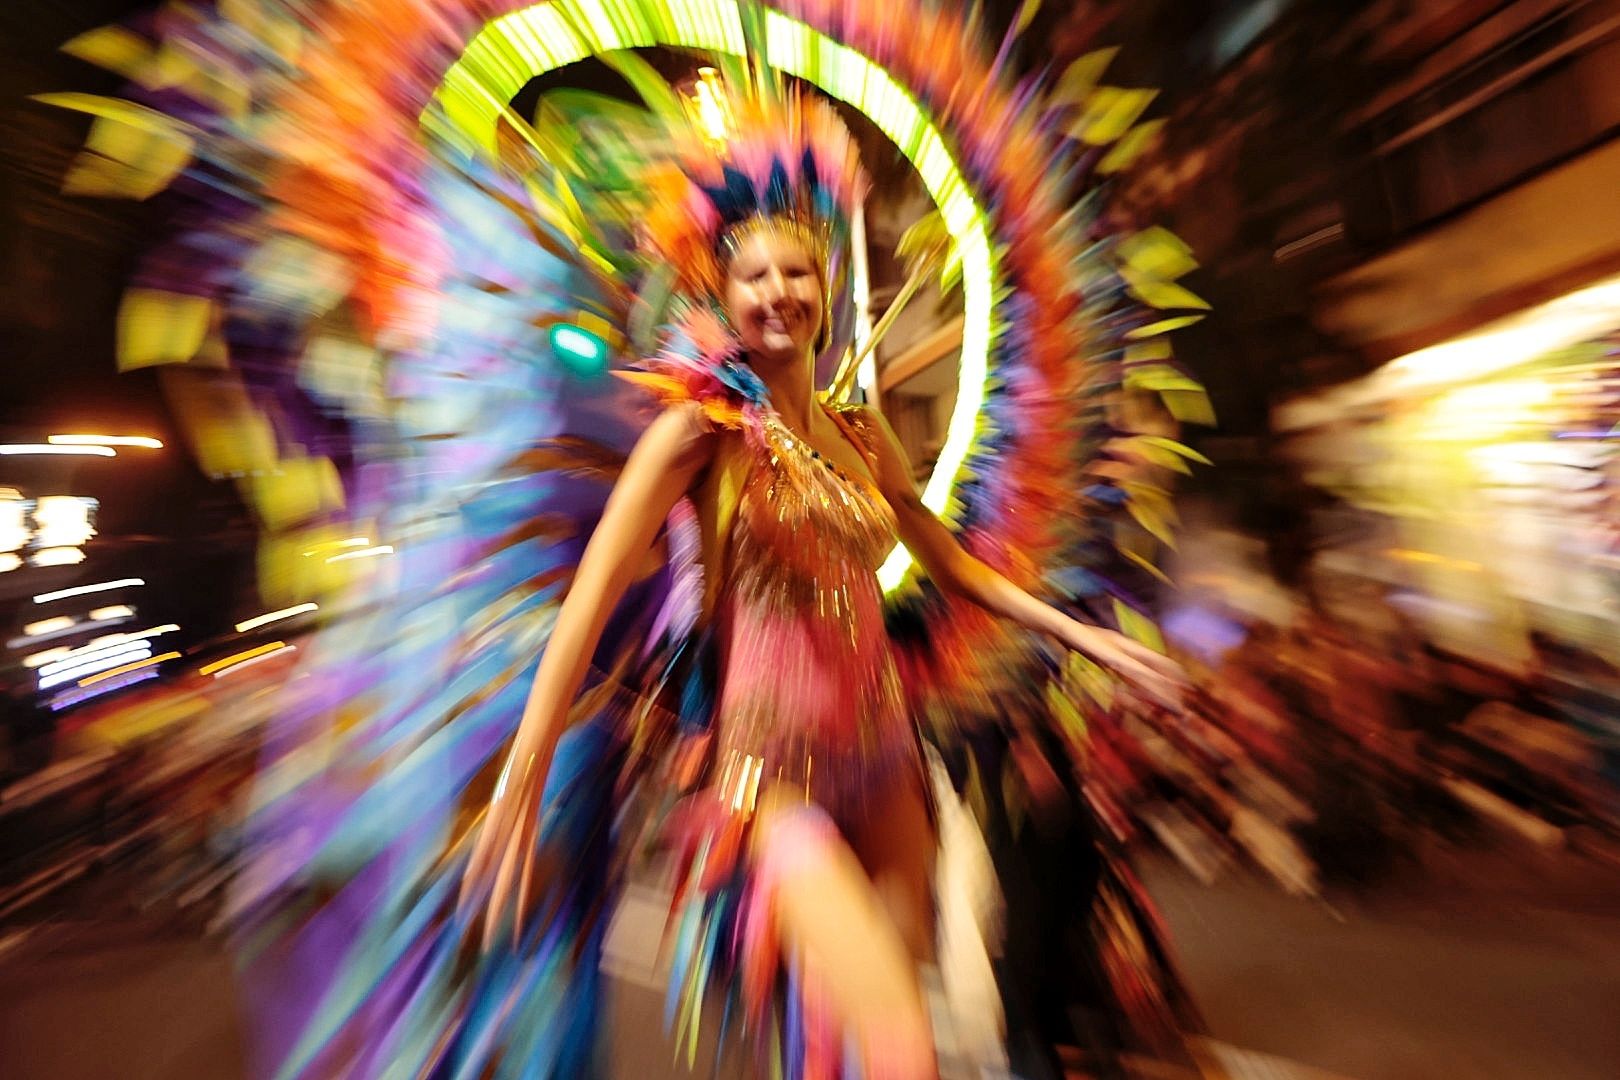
(815, 240)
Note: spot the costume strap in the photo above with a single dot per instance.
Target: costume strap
(858, 426)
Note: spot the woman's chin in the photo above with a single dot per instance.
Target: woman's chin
(779, 348)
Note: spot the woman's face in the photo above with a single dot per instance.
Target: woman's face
(773, 296)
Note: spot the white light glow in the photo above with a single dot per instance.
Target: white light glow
(86, 655)
(117, 658)
(49, 626)
(13, 523)
(861, 281)
(367, 553)
(57, 556)
(82, 590)
(105, 440)
(1518, 339)
(63, 521)
(274, 616)
(351, 542)
(40, 659)
(110, 612)
(9, 560)
(42, 449)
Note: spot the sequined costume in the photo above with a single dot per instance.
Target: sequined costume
(809, 696)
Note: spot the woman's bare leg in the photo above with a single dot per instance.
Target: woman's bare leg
(839, 932)
(897, 845)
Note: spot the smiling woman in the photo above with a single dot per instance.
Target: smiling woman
(536, 38)
(400, 250)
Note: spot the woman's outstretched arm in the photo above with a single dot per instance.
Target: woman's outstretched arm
(665, 464)
(954, 570)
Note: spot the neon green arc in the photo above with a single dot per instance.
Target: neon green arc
(516, 47)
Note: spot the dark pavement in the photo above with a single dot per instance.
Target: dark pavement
(1518, 982)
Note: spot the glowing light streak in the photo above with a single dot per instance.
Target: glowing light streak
(49, 626)
(250, 661)
(274, 616)
(9, 561)
(105, 440)
(111, 612)
(84, 590)
(367, 553)
(57, 556)
(136, 666)
(351, 542)
(87, 654)
(77, 670)
(236, 658)
(69, 698)
(42, 449)
(105, 641)
(1582, 315)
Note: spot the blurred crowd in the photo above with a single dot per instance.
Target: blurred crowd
(1331, 758)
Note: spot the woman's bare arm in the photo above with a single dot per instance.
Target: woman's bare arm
(954, 570)
(665, 464)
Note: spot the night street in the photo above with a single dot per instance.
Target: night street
(1400, 988)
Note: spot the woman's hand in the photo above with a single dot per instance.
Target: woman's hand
(501, 872)
(1152, 673)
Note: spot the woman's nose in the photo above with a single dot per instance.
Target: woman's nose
(774, 285)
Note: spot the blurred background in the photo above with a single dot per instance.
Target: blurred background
(1386, 838)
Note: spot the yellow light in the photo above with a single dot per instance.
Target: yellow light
(710, 109)
(258, 656)
(9, 561)
(273, 616)
(1506, 343)
(40, 449)
(105, 440)
(136, 666)
(46, 657)
(113, 611)
(48, 626)
(237, 658)
(57, 556)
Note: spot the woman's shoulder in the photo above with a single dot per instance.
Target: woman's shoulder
(861, 420)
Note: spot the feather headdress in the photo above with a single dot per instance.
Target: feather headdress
(784, 160)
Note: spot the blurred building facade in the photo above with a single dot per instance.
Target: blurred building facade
(1406, 217)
